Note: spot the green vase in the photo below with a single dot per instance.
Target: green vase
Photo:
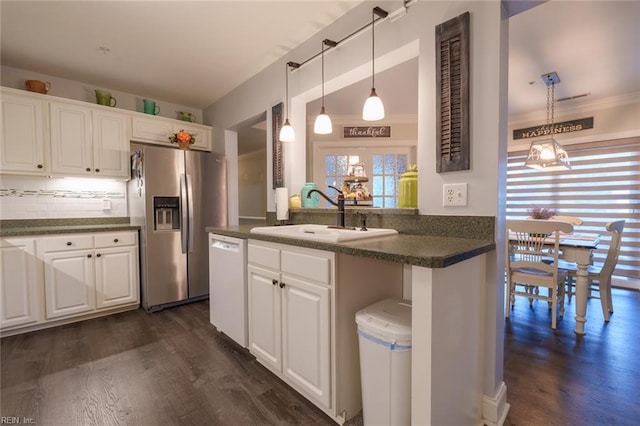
(408, 196)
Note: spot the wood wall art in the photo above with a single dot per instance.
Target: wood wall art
(278, 166)
(452, 95)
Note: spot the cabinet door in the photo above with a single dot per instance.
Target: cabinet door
(151, 130)
(22, 144)
(116, 276)
(19, 283)
(306, 337)
(110, 144)
(69, 282)
(265, 339)
(201, 133)
(71, 145)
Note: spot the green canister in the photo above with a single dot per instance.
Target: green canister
(309, 202)
(408, 196)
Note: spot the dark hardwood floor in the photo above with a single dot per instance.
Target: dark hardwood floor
(134, 368)
(174, 368)
(555, 377)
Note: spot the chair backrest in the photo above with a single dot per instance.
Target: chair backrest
(571, 219)
(529, 241)
(614, 249)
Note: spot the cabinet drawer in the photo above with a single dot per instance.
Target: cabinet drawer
(265, 256)
(70, 242)
(315, 268)
(110, 239)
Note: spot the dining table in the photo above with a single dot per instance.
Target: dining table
(577, 248)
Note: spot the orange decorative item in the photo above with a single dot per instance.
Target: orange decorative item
(38, 86)
(183, 139)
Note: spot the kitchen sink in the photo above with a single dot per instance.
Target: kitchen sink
(314, 232)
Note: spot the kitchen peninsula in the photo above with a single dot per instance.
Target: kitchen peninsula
(445, 278)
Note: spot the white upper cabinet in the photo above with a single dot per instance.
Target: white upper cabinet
(88, 142)
(157, 130)
(111, 143)
(22, 143)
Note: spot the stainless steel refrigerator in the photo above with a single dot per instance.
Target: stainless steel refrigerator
(173, 195)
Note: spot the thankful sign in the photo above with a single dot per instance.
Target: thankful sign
(367, 132)
(546, 129)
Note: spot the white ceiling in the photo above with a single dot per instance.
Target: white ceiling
(185, 52)
(193, 53)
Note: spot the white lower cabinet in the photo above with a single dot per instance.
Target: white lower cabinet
(51, 280)
(20, 282)
(289, 316)
(306, 354)
(69, 283)
(302, 306)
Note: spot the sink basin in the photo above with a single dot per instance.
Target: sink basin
(323, 233)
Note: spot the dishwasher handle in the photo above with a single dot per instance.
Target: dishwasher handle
(224, 245)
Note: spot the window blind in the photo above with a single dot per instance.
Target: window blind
(603, 185)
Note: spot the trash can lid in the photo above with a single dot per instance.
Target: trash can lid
(388, 319)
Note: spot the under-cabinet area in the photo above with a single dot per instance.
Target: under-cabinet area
(302, 305)
(52, 280)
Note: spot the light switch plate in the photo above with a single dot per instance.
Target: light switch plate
(106, 204)
(454, 194)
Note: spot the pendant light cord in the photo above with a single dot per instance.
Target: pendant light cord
(322, 55)
(373, 48)
(286, 74)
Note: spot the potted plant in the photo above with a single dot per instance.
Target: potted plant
(542, 213)
(183, 139)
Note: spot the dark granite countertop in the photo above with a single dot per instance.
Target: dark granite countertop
(21, 228)
(420, 250)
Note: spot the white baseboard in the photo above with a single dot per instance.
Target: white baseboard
(495, 408)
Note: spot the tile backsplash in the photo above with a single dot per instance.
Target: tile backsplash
(27, 197)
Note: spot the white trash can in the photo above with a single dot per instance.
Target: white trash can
(384, 337)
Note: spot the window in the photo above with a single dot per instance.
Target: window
(387, 169)
(602, 186)
(383, 166)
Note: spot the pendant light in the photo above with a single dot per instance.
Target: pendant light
(547, 154)
(287, 134)
(373, 109)
(323, 125)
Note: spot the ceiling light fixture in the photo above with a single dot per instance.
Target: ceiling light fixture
(547, 154)
(323, 125)
(287, 134)
(373, 109)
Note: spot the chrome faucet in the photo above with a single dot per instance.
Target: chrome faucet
(339, 204)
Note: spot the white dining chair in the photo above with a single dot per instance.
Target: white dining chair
(599, 276)
(532, 262)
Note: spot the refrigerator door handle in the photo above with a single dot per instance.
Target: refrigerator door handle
(190, 210)
(184, 213)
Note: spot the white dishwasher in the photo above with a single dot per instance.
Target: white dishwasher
(228, 286)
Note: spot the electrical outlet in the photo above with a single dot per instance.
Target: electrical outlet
(106, 204)
(454, 194)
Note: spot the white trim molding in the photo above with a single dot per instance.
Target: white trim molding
(495, 408)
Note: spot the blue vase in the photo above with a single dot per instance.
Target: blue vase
(312, 202)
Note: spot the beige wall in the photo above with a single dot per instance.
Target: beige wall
(252, 197)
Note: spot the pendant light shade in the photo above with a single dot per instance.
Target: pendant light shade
(287, 133)
(373, 109)
(548, 154)
(323, 126)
